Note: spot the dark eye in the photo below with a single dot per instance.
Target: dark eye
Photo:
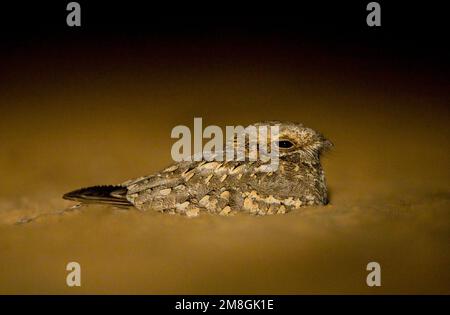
(285, 144)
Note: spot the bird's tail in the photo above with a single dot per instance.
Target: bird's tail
(111, 195)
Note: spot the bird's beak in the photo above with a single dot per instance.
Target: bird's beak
(327, 145)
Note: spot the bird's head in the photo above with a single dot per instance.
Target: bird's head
(296, 141)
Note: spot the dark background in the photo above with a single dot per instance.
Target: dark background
(409, 30)
(412, 40)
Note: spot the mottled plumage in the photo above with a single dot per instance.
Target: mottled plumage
(229, 186)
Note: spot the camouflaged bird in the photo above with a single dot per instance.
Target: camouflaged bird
(230, 186)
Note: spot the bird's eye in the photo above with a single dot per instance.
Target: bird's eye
(285, 144)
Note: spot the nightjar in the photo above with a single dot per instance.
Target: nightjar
(228, 187)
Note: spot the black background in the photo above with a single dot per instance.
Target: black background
(282, 304)
(409, 30)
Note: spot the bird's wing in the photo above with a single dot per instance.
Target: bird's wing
(185, 181)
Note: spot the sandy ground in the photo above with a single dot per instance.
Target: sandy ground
(388, 176)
